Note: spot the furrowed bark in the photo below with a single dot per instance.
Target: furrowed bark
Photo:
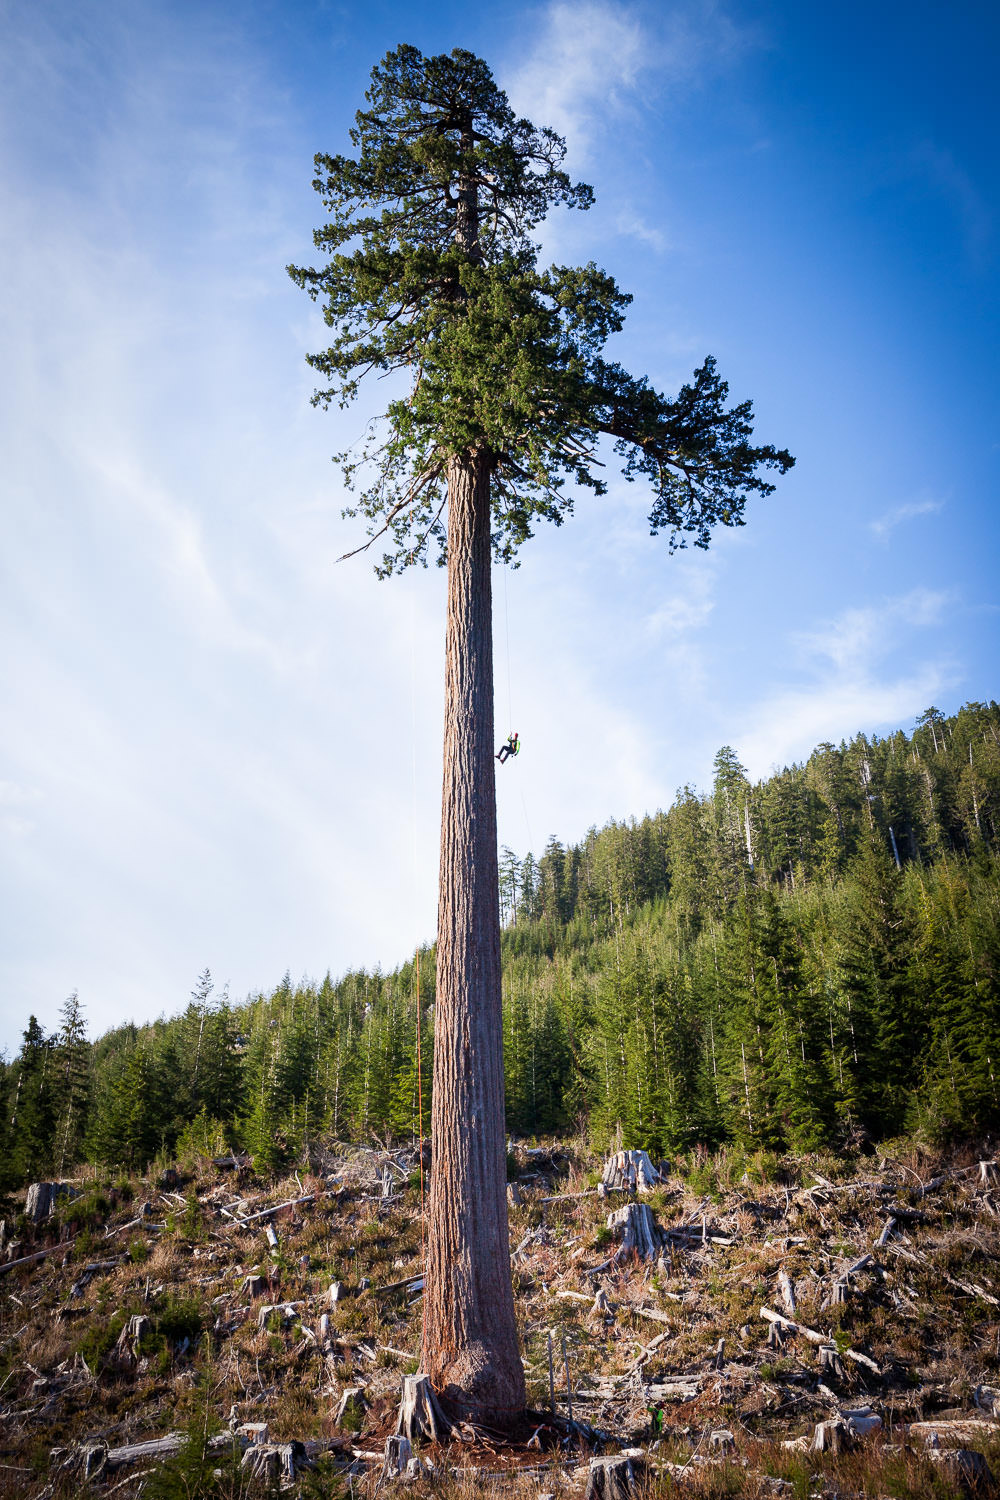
(470, 1334)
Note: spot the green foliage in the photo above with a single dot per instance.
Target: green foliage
(432, 274)
(178, 1318)
(653, 978)
(198, 1471)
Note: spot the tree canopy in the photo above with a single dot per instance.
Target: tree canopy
(432, 274)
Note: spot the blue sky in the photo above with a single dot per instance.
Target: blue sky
(219, 748)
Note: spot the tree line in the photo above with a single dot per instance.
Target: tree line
(808, 960)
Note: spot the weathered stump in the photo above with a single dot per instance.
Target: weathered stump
(830, 1361)
(635, 1226)
(43, 1197)
(831, 1436)
(93, 1460)
(270, 1462)
(398, 1453)
(862, 1421)
(969, 1469)
(420, 1416)
(130, 1338)
(631, 1170)
(351, 1407)
(776, 1336)
(611, 1479)
(601, 1304)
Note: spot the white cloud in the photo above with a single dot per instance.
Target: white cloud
(690, 602)
(586, 62)
(633, 226)
(884, 525)
(598, 60)
(857, 637)
(851, 687)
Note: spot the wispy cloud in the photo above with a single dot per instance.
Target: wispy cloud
(590, 62)
(853, 640)
(852, 685)
(884, 525)
(633, 226)
(585, 64)
(950, 179)
(691, 602)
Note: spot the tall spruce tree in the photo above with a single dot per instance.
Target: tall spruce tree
(503, 398)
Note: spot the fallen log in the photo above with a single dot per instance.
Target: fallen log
(655, 1314)
(790, 1326)
(409, 1283)
(265, 1213)
(651, 1348)
(12, 1265)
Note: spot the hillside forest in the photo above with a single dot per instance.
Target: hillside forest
(811, 960)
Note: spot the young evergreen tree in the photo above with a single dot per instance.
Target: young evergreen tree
(886, 1020)
(33, 1110)
(433, 274)
(72, 1083)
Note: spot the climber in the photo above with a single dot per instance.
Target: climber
(511, 748)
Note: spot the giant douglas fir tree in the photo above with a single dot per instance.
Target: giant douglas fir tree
(504, 397)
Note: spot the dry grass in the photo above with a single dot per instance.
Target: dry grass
(933, 1342)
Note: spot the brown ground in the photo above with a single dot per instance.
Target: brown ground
(924, 1311)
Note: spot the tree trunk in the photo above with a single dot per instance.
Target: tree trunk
(470, 1334)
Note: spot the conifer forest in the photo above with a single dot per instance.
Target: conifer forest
(809, 961)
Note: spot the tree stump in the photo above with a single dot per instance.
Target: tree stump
(351, 1407)
(722, 1440)
(335, 1293)
(93, 1460)
(514, 1195)
(398, 1453)
(635, 1226)
(42, 1198)
(776, 1336)
(601, 1304)
(631, 1170)
(420, 1416)
(131, 1336)
(787, 1292)
(969, 1468)
(270, 1462)
(831, 1437)
(862, 1421)
(830, 1361)
(611, 1479)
